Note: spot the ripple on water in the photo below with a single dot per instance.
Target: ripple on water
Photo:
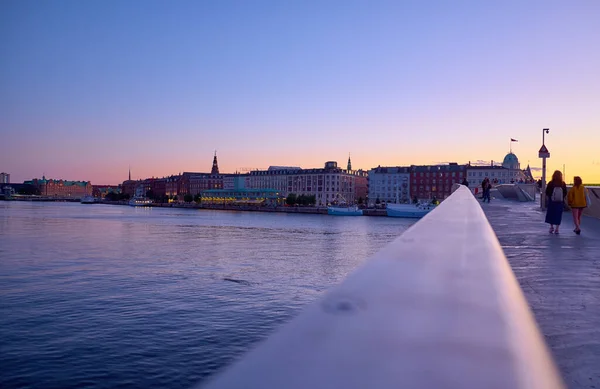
(107, 296)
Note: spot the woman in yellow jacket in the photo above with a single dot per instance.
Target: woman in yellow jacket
(576, 199)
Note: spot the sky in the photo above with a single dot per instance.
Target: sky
(91, 88)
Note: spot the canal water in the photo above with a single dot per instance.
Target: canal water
(101, 296)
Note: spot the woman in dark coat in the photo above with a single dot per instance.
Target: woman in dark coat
(555, 201)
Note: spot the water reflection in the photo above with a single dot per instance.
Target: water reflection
(107, 296)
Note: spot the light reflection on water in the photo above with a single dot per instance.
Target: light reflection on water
(104, 296)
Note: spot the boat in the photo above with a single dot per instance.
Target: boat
(342, 210)
(88, 200)
(409, 210)
(140, 202)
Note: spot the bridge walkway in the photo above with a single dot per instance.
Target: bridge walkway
(560, 277)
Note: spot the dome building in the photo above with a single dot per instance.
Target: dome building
(511, 162)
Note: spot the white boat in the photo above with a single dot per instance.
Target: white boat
(341, 210)
(140, 202)
(409, 210)
(88, 200)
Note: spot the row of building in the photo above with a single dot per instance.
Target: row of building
(329, 184)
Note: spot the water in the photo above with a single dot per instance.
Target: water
(100, 296)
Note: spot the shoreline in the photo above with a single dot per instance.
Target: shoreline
(246, 208)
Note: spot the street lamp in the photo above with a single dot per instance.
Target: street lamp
(543, 192)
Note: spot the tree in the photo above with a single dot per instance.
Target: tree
(360, 200)
(291, 199)
(198, 198)
(377, 201)
(301, 200)
(174, 197)
(28, 190)
(188, 198)
(112, 196)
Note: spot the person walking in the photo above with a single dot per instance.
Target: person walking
(578, 199)
(556, 191)
(486, 186)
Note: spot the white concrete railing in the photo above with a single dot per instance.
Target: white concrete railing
(437, 308)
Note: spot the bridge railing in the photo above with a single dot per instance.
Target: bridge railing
(437, 308)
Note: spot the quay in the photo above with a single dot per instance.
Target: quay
(472, 296)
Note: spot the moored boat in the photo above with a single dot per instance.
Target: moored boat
(140, 202)
(352, 210)
(88, 200)
(409, 210)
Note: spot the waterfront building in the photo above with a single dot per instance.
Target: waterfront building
(429, 181)
(511, 162)
(100, 191)
(4, 178)
(199, 182)
(128, 186)
(155, 186)
(496, 173)
(389, 185)
(61, 188)
(329, 184)
(507, 173)
(173, 185)
(215, 166)
(235, 192)
(194, 183)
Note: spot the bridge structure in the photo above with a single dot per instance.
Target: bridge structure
(471, 296)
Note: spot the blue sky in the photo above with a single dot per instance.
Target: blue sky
(88, 88)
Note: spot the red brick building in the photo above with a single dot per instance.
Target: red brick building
(62, 188)
(429, 181)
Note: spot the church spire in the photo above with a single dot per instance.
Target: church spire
(215, 166)
(129, 173)
(349, 162)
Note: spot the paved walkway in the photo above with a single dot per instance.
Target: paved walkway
(560, 276)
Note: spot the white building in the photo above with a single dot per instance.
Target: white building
(389, 185)
(496, 174)
(328, 184)
(4, 178)
(509, 172)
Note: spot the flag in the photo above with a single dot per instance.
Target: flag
(513, 140)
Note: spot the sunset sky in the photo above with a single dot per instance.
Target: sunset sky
(89, 88)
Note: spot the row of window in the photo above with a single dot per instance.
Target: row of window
(445, 174)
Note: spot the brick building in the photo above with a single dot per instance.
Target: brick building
(429, 181)
(62, 188)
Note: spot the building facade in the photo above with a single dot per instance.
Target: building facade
(4, 178)
(508, 173)
(429, 181)
(62, 188)
(100, 191)
(128, 187)
(389, 185)
(329, 184)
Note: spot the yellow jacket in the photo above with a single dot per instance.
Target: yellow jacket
(576, 197)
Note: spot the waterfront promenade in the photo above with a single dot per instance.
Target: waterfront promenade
(560, 277)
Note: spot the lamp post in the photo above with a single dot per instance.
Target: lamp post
(543, 193)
